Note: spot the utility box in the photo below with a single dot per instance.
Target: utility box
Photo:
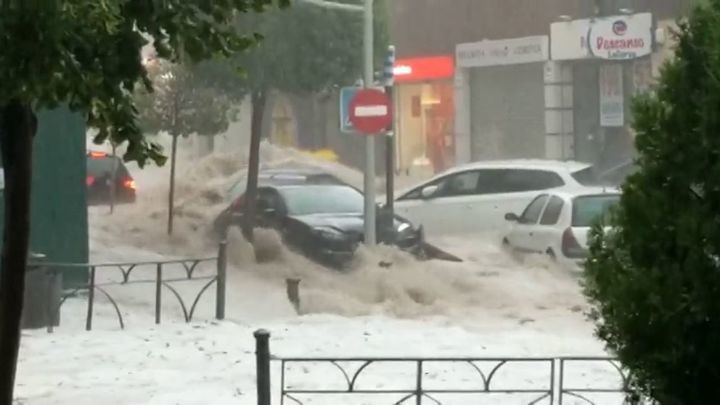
(59, 225)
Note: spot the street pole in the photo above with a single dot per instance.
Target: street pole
(390, 136)
(369, 183)
(368, 45)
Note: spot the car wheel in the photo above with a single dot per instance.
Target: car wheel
(507, 247)
(511, 251)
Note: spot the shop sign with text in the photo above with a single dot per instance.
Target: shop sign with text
(612, 38)
(503, 52)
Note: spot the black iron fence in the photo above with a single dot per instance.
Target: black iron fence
(550, 381)
(153, 272)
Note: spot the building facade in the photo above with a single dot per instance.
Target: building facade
(529, 80)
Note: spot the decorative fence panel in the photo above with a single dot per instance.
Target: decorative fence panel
(442, 381)
(144, 272)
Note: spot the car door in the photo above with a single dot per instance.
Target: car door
(547, 233)
(489, 210)
(449, 209)
(518, 188)
(269, 208)
(417, 208)
(523, 234)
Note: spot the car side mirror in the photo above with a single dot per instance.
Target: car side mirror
(428, 192)
(512, 217)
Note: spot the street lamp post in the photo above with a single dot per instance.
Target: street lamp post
(368, 42)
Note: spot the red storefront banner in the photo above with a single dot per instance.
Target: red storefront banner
(422, 69)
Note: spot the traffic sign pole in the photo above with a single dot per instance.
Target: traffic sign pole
(369, 180)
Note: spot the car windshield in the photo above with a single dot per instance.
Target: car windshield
(588, 209)
(307, 200)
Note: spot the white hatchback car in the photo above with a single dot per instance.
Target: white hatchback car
(557, 223)
(474, 198)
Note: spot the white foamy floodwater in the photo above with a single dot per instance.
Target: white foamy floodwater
(489, 305)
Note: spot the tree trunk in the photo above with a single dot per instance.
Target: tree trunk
(211, 144)
(18, 125)
(171, 196)
(258, 110)
(113, 185)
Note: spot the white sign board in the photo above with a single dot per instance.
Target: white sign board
(503, 52)
(612, 97)
(614, 38)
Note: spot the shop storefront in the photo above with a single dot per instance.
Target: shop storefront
(609, 59)
(425, 113)
(500, 86)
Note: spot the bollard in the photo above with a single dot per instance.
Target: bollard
(42, 293)
(158, 293)
(54, 298)
(418, 384)
(293, 292)
(262, 360)
(221, 281)
(91, 299)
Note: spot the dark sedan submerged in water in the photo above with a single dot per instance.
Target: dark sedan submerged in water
(322, 221)
(102, 185)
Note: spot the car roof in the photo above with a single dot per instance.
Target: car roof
(103, 159)
(572, 193)
(284, 177)
(296, 186)
(562, 166)
(277, 177)
(539, 164)
(296, 172)
(93, 154)
(283, 187)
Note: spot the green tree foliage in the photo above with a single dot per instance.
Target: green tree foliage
(654, 280)
(295, 59)
(181, 105)
(304, 49)
(87, 55)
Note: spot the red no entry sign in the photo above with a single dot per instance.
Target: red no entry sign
(370, 111)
